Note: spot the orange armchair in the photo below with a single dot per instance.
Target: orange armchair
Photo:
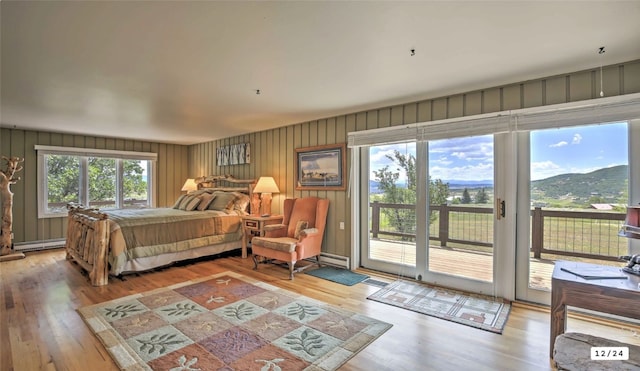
(298, 237)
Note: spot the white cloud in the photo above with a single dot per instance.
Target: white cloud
(577, 138)
(443, 160)
(482, 171)
(545, 169)
(559, 144)
(378, 158)
(464, 149)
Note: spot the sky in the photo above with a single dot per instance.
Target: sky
(554, 151)
(578, 150)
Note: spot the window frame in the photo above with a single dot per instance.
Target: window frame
(83, 154)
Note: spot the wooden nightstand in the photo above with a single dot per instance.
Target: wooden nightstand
(253, 225)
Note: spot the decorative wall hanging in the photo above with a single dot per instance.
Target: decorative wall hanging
(321, 167)
(234, 154)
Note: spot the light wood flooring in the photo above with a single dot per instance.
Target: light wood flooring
(41, 330)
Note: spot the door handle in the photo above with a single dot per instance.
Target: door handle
(500, 208)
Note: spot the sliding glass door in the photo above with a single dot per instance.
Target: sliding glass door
(574, 186)
(391, 197)
(461, 207)
(489, 203)
(431, 213)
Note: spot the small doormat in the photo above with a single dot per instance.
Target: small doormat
(339, 275)
(228, 321)
(483, 312)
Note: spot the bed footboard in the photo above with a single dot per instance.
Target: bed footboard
(88, 242)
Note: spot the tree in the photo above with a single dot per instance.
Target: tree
(596, 199)
(63, 179)
(482, 197)
(466, 198)
(388, 182)
(135, 187)
(102, 179)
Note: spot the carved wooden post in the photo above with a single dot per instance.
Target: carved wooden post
(7, 178)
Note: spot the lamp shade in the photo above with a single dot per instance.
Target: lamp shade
(189, 185)
(266, 184)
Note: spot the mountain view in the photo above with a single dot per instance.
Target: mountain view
(607, 185)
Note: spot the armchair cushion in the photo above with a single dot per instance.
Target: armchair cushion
(284, 244)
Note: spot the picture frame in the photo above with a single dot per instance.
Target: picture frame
(321, 167)
(234, 154)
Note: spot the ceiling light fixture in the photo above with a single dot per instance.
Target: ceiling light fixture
(601, 52)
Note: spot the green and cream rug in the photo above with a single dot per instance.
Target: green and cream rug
(230, 322)
(473, 310)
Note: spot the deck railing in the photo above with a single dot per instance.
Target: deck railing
(584, 234)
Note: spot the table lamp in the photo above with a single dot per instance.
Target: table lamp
(189, 185)
(266, 186)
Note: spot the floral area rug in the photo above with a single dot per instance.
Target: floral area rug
(228, 322)
(479, 311)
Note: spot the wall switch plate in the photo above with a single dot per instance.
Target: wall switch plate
(341, 225)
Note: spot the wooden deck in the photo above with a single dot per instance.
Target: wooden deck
(458, 262)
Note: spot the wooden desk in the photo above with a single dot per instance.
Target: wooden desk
(253, 225)
(614, 296)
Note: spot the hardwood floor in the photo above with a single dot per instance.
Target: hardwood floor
(41, 330)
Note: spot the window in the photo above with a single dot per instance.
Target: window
(96, 178)
(496, 238)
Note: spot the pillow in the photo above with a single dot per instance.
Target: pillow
(178, 201)
(185, 200)
(222, 201)
(205, 201)
(189, 203)
(300, 226)
(241, 202)
(199, 192)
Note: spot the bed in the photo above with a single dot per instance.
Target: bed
(205, 222)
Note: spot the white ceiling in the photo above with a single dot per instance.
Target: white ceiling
(187, 72)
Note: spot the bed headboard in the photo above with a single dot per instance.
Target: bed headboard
(229, 183)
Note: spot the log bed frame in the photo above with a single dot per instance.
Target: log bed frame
(87, 241)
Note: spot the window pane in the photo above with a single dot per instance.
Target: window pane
(63, 181)
(102, 182)
(135, 183)
(392, 198)
(579, 190)
(461, 194)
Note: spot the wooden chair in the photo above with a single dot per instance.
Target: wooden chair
(298, 237)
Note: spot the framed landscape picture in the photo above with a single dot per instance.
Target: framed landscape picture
(321, 167)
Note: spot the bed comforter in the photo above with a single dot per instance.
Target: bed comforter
(141, 233)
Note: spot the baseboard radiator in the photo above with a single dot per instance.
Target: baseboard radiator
(39, 245)
(336, 260)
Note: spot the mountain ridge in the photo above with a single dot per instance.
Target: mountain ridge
(607, 183)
